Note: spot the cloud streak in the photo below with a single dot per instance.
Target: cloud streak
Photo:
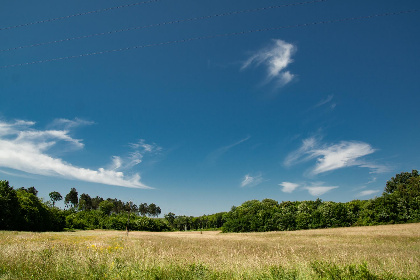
(26, 149)
(215, 155)
(327, 100)
(251, 181)
(276, 58)
(368, 192)
(318, 190)
(288, 187)
(315, 189)
(330, 157)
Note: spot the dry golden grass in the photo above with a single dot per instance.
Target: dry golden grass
(391, 249)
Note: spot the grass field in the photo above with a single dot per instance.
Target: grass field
(377, 252)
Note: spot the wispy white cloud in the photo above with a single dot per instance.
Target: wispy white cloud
(47, 138)
(215, 155)
(317, 189)
(303, 153)
(251, 181)
(26, 149)
(69, 124)
(327, 100)
(142, 145)
(23, 175)
(333, 156)
(276, 58)
(368, 192)
(135, 156)
(116, 163)
(343, 154)
(12, 128)
(375, 168)
(288, 187)
(373, 180)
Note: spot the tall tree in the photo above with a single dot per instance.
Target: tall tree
(85, 202)
(152, 209)
(9, 207)
(33, 191)
(401, 179)
(170, 217)
(55, 196)
(72, 198)
(95, 202)
(143, 209)
(158, 211)
(106, 207)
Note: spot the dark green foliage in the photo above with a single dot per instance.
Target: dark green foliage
(33, 191)
(106, 207)
(9, 207)
(252, 215)
(400, 180)
(33, 213)
(205, 222)
(170, 217)
(96, 201)
(143, 209)
(96, 219)
(72, 198)
(85, 202)
(55, 196)
(22, 210)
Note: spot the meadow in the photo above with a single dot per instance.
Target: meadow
(375, 252)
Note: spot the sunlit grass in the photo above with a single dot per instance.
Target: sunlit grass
(380, 252)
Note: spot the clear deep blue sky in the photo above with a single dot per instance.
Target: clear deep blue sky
(328, 110)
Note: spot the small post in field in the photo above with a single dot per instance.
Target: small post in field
(128, 221)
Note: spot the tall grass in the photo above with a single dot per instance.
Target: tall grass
(380, 252)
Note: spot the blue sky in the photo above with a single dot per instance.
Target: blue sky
(200, 105)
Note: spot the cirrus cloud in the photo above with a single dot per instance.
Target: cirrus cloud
(330, 157)
(276, 58)
(251, 181)
(317, 189)
(368, 192)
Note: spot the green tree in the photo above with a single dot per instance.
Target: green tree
(400, 180)
(152, 210)
(158, 211)
(9, 207)
(106, 207)
(95, 202)
(85, 202)
(33, 191)
(143, 209)
(170, 217)
(33, 213)
(55, 196)
(72, 198)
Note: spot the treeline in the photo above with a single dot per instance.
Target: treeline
(21, 209)
(399, 203)
(86, 212)
(107, 206)
(205, 222)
